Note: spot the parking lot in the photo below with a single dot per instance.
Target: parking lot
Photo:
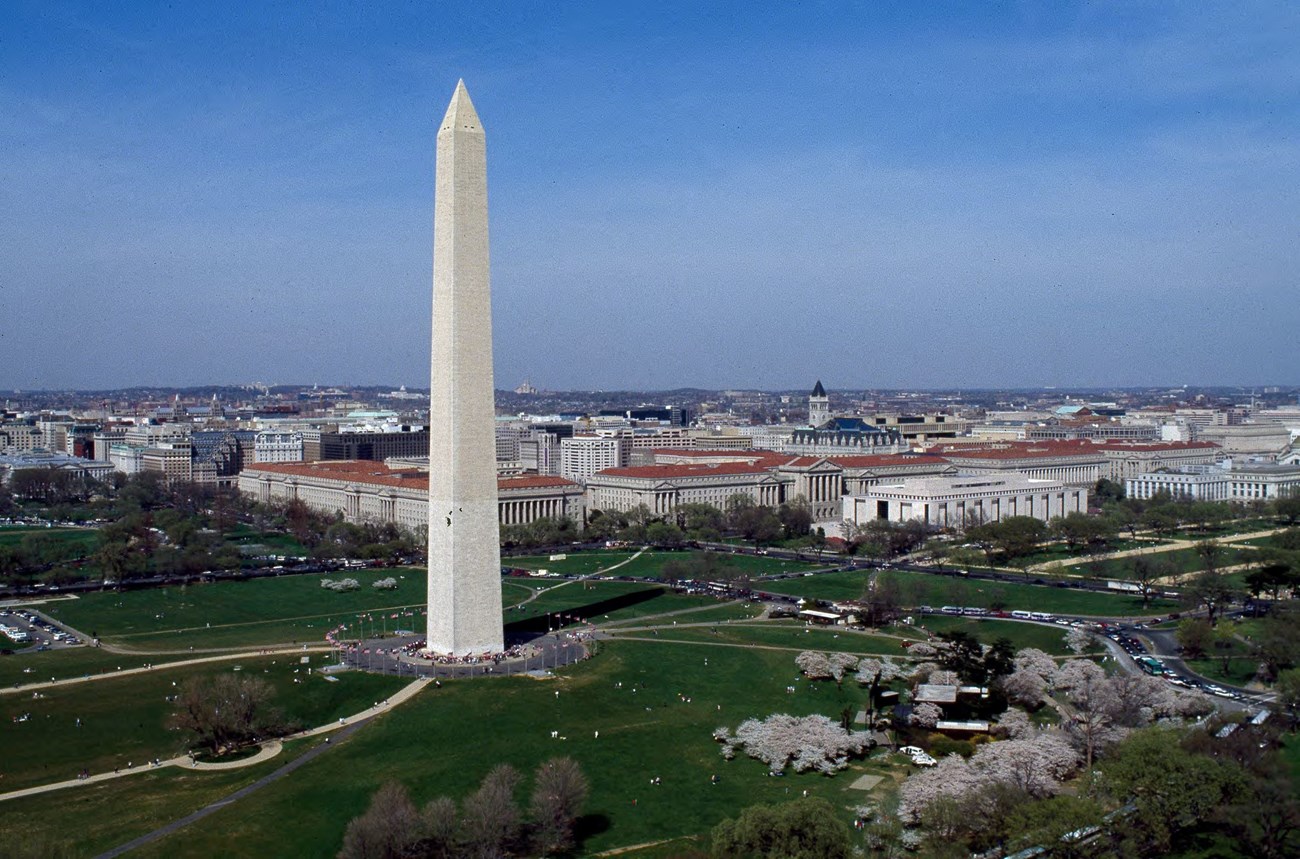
(30, 630)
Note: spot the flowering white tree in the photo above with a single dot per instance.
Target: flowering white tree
(1078, 640)
(925, 715)
(1024, 687)
(1034, 660)
(921, 650)
(814, 665)
(921, 671)
(1095, 702)
(805, 742)
(1036, 765)
(1015, 724)
(840, 664)
(872, 671)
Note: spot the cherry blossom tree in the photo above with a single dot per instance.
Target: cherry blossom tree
(813, 664)
(1034, 660)
(1078, 640)
(804, 742)
(925, 715)
(1024, 687)
(1015, 724)
(1095, 703)
(1035, 765)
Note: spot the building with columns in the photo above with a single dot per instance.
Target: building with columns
(769, 479)
(366, 491)
(951, 502)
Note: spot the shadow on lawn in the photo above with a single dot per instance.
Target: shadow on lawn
(539, 625)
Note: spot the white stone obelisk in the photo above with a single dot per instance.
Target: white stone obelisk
(464, 547)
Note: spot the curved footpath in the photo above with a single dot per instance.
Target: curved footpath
(198, 660)
(268, 751)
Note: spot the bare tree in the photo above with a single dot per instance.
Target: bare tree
(226, 710)
(387, 829)
(559, 791)
(489, 816)
(441, 829)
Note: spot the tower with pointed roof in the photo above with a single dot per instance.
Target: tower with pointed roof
(464, 536)
(819, 405)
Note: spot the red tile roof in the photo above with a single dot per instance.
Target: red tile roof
(1017, 450)
(668, 472)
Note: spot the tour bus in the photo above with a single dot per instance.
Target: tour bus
(1022, 615)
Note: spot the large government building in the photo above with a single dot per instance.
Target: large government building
(364, 491)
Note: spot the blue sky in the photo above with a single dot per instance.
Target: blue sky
(737, 194)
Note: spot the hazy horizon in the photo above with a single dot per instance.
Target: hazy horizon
(720, 195)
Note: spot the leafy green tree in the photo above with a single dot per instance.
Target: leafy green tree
(1171, 788)
(663, 534)
(1288, 696)
(806, 828)
(1048, 821)
(759, 525)
(700, 521)
(1195, 637)
(795, 518)
(1211, 590)
(1108, 491)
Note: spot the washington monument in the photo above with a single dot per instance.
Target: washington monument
(464, 540)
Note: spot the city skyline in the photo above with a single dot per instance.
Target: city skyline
(682, 196)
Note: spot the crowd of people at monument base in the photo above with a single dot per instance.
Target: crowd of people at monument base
(415, 650)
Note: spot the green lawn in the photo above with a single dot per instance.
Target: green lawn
(1061, 552)
(124, 719)
(84, 539)
(431, 747)
(196, 607)
(648, 564)
(1240, 670)
(1050, 639)
(64, 664)
(1179, 560)
(111, 813)
(792, 636)
(938, 590)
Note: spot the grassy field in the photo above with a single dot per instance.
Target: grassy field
(637, 722)
(648, 564)
(1180, 561)
(791, 636)
(275, 543)
(1061, 552)
(111, 813)
(83, 539)
(124, 719)
(1050, 639)
(1240, 671)
(937, 590)
(64, 664)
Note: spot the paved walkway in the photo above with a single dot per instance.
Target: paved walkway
(1171, 544)
(145, 669)
(268, 751)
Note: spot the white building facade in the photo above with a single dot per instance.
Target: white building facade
(952, 502)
